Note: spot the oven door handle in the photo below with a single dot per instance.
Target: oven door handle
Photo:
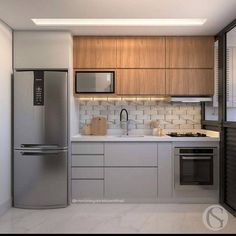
(196, 158)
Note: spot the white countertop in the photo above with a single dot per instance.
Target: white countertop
(137, 138)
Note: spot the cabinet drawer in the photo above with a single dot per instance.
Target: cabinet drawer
(131, 154)
(87, 160)
(131, 183)
(87, 173)
(87, 148)
(87, 189)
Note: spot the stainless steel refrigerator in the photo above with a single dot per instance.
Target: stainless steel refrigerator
(40, 139)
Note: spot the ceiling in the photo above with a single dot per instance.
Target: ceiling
(18, 13)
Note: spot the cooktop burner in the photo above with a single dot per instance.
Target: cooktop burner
(175, 134)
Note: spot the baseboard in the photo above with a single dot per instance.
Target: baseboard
(4, 207)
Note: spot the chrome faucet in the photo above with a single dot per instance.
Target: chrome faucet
(127, 120)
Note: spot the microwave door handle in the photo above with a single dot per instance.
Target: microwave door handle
(196, 158)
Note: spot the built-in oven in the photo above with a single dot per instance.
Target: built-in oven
(195, 168)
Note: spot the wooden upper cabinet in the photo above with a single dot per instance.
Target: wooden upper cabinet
(127, 82)
(152, 82)
(94, 52)
(141, 52)
(174, 66)
(189, 82)
(190, 52)
(140, 82)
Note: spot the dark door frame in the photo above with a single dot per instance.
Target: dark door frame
(221, 125)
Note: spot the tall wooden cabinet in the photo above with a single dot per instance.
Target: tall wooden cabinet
(141, 52)
(94, 52)
(190, 63)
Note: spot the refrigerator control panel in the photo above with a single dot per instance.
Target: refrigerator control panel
(38, 88)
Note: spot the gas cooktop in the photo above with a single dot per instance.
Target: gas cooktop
(175, 134)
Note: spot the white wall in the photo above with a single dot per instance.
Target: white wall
(5, 116)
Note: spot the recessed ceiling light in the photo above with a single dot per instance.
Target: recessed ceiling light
(120, 22)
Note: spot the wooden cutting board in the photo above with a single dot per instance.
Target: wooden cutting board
(99, 126)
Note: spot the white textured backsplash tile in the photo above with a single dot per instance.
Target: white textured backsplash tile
(171, 115)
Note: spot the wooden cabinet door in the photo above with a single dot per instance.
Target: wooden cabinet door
(202, 83)
(127, 82)
(190, 52)
(152, 82)
(190, 82)
(140, 81)
(94, 52)
(141, 52)
(177, 82)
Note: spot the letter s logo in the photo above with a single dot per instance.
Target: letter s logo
(215, 217)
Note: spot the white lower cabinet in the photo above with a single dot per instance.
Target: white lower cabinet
(165, 175)
(131, 184)
(87, 171)
(83, 189)
(131, 154)
(131, 172)
(123, 171)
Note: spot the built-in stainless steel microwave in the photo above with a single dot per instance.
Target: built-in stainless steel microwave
(95, 82)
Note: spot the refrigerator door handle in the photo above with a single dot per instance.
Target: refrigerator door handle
(38, 153)
(40, 146)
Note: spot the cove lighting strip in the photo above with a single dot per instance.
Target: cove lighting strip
(119, 22)
(88, 98)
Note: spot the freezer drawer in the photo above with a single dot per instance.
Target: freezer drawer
(40, 179)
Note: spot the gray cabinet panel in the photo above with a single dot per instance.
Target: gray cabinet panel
(87, 148)
(87, 189)
(87, 173)
(130, 154)
(165, 173)
(42, 49)
(87, 160)
(131, 183)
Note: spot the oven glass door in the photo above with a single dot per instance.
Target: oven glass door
(196, 170)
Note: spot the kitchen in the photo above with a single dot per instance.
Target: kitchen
(133, 112)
